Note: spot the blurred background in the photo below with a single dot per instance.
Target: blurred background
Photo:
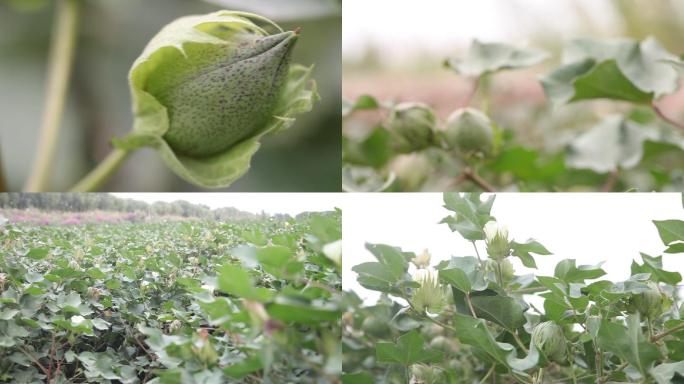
(305, 157)
(394, 50)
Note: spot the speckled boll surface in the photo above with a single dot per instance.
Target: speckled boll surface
(228, 100)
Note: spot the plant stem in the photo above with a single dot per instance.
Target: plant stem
(517, 340)
(489, 373)
(473, 91)
(668, 332)
(477, 253)
(102, 172)
(598, 362)
(470, 305)
(60, 60)
(666, 118)
(612, 181)
(471, 175)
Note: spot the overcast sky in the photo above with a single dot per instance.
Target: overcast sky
(588, 227)
(400, 27)
(289, 203)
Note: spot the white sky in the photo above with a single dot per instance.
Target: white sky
(588, 227)
(289, 203)
(403, 27)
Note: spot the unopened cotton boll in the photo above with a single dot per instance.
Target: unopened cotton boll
(333, 251)
(422, 260)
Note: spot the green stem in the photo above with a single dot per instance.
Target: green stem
(477, 253)
(102, 172)
(60, 60)
(489, 373)
(668, 332)
(517, 340)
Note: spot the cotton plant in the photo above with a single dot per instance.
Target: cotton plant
(473, 319)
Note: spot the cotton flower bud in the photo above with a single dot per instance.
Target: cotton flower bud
(207, 87)
(3, 279)
(422, 260)
(548, 337)
(425, 374)
(411, 126)
(77, 320)
(94, 293)
(175, 325)
(507, 269)
(650, 303)
(430, 296)
(204, 350)
(498, 246)
(470, 132)
(411, 170)
(333, 251)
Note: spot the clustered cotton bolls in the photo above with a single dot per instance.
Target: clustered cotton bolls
(498, 245)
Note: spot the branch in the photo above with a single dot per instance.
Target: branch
(61, 57)
(102, 172)
(666, 333)
(470, 305)
(469, 174)
(612, 181)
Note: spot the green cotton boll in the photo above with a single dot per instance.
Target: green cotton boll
(411, 127)
(375, 327)
(549, 338)
(228, 98)
(470, 132)
(650, 303)
(207, 88)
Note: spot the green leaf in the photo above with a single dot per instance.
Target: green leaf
(393, 258)
(619, 69)
(471, 214)
(614, 143)
(243, 368)
(407, 351)
(654, 266)
(474, 332)
(628, 343)
(302, 311)
(489, 305)
(567, 271)
(357, 378)
(524, 251)
(503, 310)
(37, 253)
(464, 273)
(485, 58)
(236, 281)
(664, 373)
(363, 102)
(366, 179)
(279, 261)
(670, 231)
